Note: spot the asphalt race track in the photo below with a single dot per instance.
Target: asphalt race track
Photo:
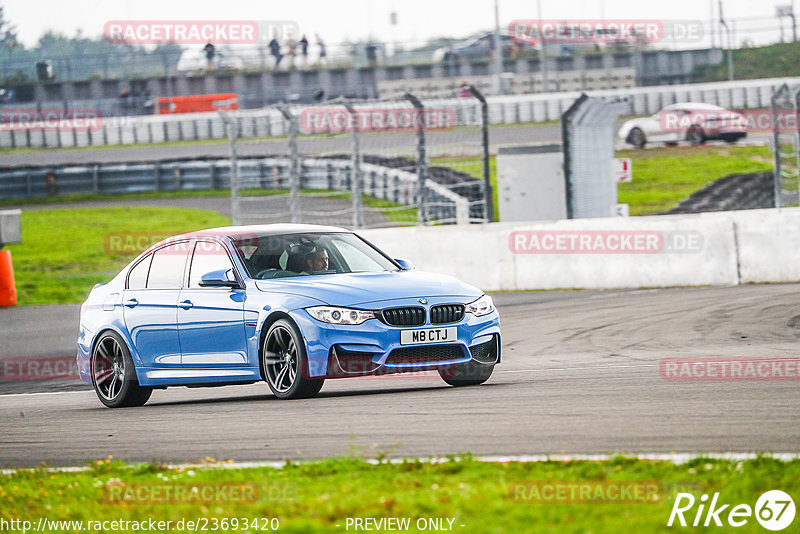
(580, 374)
(373, 144)
(438, 142)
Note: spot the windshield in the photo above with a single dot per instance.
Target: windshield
(282, 256)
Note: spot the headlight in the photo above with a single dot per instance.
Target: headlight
(482, 306)
(330, 314)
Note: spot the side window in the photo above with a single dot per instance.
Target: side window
(208, 256)
(356, 259)
(137, 277)
(166, 269)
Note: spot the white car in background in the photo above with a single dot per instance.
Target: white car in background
(692, 122)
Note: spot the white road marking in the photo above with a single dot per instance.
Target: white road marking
(674, 457)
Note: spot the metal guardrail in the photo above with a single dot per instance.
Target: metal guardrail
(511, 109)
(387, 183)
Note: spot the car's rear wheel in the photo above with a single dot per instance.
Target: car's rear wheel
(637, 138)
(113, 374)
(695, 136)
(470, 373)
(285, 362)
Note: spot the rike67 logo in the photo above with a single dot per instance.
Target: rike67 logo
(774, 510)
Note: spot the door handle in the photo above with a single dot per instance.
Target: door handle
(131, 303)
(186, 304)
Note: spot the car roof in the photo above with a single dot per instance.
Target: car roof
(263, 230)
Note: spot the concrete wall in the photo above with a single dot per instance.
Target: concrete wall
(723, 248)
(261, 88)
(521, 83)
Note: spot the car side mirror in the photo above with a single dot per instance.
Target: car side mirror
(220, 278)
(405, 264)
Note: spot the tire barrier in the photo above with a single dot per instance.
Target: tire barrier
(733, 192)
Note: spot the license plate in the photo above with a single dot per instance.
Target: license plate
(428, 335)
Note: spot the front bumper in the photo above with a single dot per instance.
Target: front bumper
(374, 348)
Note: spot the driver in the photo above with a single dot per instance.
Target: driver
(317, 260)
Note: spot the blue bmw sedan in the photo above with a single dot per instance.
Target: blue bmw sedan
(292, 305)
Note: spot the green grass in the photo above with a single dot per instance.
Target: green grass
(65, 252)
(664, 177)
(91, 197)
(773, 61)
(318, 497)
(661, 178)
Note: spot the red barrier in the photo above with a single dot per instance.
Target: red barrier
(197, 103)
(8, 290)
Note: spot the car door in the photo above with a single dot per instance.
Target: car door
(150, 305)
(652, 127)
(211, 319)
(667, 125)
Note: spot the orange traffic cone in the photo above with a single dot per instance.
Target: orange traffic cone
(8, 290)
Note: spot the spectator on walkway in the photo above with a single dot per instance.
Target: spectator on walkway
(323, 53)
(372, 54)
(292, 44)
(211, 54)
(275, 50)
(304, 50)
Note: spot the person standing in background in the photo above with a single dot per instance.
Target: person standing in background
(211, 55)
(323, 53)
(291, 42)
(304, 50)
(275, 50)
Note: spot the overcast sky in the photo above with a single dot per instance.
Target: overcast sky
(337, 20)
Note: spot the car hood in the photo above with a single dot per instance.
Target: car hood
(354, 289)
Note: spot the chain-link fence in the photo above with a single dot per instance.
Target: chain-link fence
(364, 165)
(588, 137)
(786, 145)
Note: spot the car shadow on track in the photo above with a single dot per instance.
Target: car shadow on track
(268, 397)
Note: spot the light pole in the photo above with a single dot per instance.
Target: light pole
(498, 49)
(730, 44)
(543, 59)
(787, 11)
(711, 24)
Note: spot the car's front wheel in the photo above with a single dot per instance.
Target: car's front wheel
(113, 375)
(285, 362)
(470, 373)
(637, 138)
